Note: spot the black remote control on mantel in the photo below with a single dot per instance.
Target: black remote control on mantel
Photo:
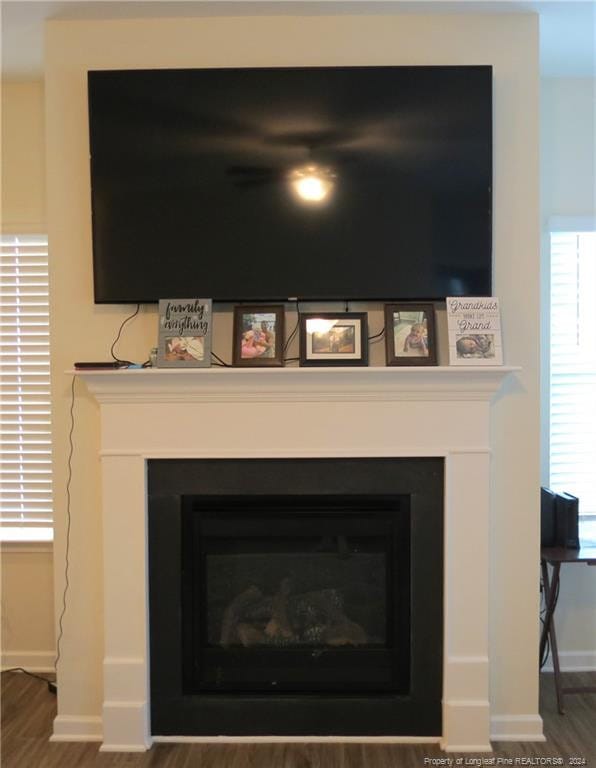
(98, 366)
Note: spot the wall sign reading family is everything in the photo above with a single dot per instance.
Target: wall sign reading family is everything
(474, 325)
(184, 333)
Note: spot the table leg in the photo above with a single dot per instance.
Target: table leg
(551, 588)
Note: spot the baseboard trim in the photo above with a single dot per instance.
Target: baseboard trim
(516, 728)
(72, 728)
(573, 661)
(32, 661)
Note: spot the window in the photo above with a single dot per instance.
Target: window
(25, 440)
(573, 370)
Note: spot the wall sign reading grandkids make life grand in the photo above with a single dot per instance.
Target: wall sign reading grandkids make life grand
(184, 333)
(474, 326)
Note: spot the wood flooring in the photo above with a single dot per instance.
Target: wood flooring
(28, 710)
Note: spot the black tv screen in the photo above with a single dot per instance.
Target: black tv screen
(361, 183)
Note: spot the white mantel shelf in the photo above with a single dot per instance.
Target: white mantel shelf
(295, 384)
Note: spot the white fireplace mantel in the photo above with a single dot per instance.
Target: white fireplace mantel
(295, 412)
(295, 384)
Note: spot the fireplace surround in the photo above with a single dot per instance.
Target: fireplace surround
(367, 413)
(296, 596)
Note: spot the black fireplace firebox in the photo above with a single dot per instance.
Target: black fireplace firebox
(286, 593)
(296, 596)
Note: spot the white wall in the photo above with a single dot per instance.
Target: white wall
(23, 156)
(568, 189)
(568, 155)
(510, 44)
(26, 570)
(27, 608)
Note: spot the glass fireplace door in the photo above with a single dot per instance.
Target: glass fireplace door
(296, 594)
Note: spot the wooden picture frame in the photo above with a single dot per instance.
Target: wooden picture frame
(410, 334)
(258, 335)
(334, 338)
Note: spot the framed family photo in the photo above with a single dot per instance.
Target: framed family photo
(410, 334)
(332, 338)
(258, 335)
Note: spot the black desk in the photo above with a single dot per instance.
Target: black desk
(555, 557)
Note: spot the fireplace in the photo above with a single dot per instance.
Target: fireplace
(151, 420)
(287, 593)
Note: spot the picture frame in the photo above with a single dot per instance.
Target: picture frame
(184, 333)
(334, 338)
(258, 335)
(474, 330)
(410, 334)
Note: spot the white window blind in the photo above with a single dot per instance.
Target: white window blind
(573, 368)
(25, 441)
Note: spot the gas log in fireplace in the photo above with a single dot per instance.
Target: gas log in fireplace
(296, 596)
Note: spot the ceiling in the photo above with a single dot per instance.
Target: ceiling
(567, 27)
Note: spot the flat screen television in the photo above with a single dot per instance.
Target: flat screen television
(332, 183)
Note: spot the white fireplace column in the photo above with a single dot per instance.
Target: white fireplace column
(296, 413)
